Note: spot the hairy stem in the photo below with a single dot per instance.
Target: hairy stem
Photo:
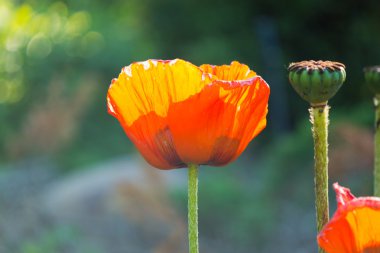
(193, 209)
(377, 147)
(319, 119)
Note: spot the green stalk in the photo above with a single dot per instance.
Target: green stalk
(193, 208)
(319, 119)
(377, 147)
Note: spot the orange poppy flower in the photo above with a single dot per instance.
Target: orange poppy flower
(178, 114)
(355, 227)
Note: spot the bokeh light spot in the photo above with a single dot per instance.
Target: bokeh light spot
(23, 15)
(77, 24)
(13, 62)
(59, 8)
(15, 41)
(11, 91)
(3, 91)
(16, 92)
(5, 14)
(39, 46)
(91, 43)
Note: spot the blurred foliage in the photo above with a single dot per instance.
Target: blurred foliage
(43, 42)
(60, 239)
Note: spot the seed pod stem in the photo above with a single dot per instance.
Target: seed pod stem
(377, 147)
(319, 120)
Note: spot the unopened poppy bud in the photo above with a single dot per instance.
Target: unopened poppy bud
(372, 78)
(316, 81)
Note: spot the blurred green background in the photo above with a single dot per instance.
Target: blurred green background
(71, 181)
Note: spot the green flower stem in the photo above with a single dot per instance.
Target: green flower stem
(193, 209)
(377, 147)
(319, 119)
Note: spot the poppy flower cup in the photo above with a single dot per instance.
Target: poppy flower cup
(355, 227)
(178, 114)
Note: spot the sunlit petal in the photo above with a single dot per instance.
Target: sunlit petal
(355, 227)
(176, 113)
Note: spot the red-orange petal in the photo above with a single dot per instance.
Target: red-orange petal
(176, 113)
(152, 86)
(140, 99)
(214, 126)
(233, 72)
(355, 227)
(152, 137)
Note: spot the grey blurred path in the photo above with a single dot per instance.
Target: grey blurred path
(118, 206)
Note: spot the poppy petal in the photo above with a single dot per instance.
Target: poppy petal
(153, 139)
(343, 195)
(235, 71)
(214, 126)
(152, 86)
(355, 227)
(140, 98)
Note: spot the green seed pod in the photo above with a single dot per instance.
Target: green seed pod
(316, 81)
(372, 78)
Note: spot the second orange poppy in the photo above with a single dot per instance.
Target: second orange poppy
(355, 227)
